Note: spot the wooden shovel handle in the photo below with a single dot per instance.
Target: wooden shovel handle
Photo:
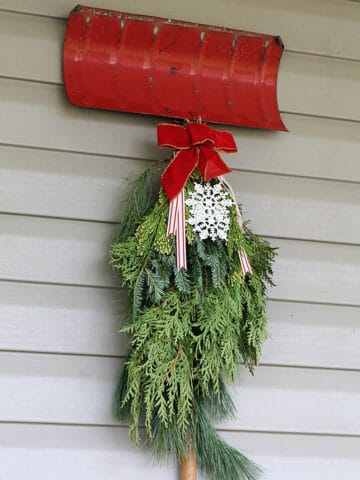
(188, 466)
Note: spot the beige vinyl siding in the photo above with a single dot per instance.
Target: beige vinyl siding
(105, 452)
(303, 334)
(62, 180)
(40, 385)
(323, 27)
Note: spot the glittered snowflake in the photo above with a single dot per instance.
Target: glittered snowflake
(210, 210)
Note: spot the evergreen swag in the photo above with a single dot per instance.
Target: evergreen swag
(189, 329)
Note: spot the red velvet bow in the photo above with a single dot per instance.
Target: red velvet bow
(198, 147)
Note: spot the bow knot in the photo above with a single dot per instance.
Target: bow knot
(198, 147)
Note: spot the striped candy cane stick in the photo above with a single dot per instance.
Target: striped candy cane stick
(244, 261)
(176, 226)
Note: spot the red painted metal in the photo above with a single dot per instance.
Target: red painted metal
(142, 64)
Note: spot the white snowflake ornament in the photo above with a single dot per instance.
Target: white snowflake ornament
(210, 210)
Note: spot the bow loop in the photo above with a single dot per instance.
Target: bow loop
(173, 136)
(224, 141)
(200, 133)
(198, 146)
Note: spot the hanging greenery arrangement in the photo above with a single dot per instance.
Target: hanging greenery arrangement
(197, 278)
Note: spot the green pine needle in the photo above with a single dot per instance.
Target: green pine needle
(215, 457)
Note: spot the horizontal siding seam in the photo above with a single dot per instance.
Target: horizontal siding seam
(235, 430)
(116, 289)
(313, 115)
(57, 284)
(30, 80)
(103, 222)
(123, 357)
(31, 14)
(33, 354)
(321, 55)
(324, 242)
(51, 217)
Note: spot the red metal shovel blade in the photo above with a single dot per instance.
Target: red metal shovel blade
(155, 66)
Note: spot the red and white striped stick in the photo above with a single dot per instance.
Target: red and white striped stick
(176, 226)
(244, 261)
